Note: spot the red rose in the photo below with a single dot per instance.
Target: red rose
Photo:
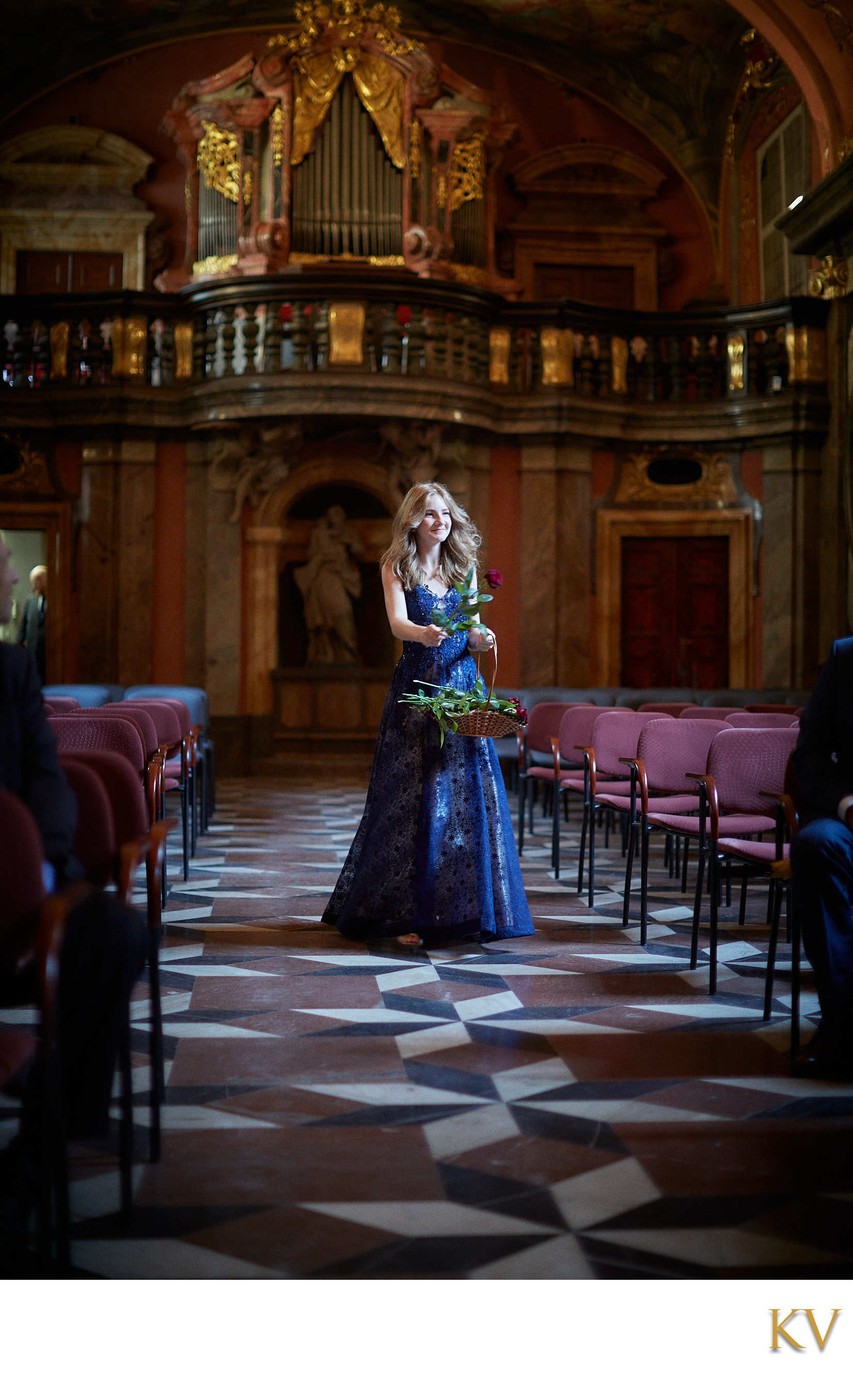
(493, 579)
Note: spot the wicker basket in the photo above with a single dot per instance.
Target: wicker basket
(486, 723)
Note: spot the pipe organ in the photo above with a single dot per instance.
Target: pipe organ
(342, 141)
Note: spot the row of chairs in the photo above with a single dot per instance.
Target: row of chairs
(718, 784)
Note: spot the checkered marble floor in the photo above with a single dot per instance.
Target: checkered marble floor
(570, 1105)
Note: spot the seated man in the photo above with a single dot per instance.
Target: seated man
(822, 860)
(104, 949)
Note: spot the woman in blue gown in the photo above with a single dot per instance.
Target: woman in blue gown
(433, 861)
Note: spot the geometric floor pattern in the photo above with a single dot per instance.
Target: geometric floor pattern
(569, 1105)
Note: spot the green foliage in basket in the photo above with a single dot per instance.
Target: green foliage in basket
(448, 705)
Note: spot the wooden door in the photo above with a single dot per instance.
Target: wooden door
(675, 612)
(64, 271)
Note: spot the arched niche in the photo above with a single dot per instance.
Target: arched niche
(276, 541)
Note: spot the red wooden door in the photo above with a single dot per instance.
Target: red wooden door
(64, 271)
(675, 612)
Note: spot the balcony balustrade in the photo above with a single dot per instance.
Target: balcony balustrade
(399, 327)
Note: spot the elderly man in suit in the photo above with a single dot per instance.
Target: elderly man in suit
(822, 860)
(31, 632)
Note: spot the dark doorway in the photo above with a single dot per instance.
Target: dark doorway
(675, 612)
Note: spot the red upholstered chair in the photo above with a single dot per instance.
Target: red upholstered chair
(60, 704)
(745, 768)
(667, 751)
(180, 763)
(615, 736)
(710, 711)
(567, 770)
(747, 719)
(135, 838)
(673, 707)
(535, 756)
(33, 926)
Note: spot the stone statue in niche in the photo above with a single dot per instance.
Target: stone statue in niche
(417, 452)
(329, 582)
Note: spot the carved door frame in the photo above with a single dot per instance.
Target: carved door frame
(53, 518)
(614, 524)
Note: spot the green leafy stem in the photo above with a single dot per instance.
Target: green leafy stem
(465, 616)
(450, 704)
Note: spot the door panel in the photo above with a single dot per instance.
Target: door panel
(675, 612)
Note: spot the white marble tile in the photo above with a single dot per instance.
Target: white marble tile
(454, 1136)
(560, 1258)
(473, 1008)
(394, 1095)
(431, 1218)
(414, 1043)
(528, 1080)
(604, 1193)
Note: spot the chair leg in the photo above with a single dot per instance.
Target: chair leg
(644, 883)
(774, 913)
(125, 1131)
(629, 871)
(794, 923)
(697, 910)
(555, 835)
(591, 868)
(155, 1045)
(582, 849)
(713, 908)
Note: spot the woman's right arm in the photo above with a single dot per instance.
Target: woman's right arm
(401, 625)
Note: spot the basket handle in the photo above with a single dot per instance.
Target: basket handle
(494, 650)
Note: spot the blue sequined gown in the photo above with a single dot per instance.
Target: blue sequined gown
(434, 852)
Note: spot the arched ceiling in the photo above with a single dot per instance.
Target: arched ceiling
(671, 67)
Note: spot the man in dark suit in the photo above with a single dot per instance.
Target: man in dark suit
(31, 632)
(104, 948)
(822, 859)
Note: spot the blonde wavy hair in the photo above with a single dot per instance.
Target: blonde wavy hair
(458, 550)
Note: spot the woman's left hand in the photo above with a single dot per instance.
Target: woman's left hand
(481, 639)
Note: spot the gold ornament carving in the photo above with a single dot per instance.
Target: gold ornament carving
(214, 263)
(350, 20)
(806, 347)
(32, 476)
(60, 333)
(415, 148)
(736, 354)
(758, 75)
(183, 338)
(831, 279)
(500, 344)
(248, 186)
(715, 489)
(619, 364)
(217, 160)
(558, 356)
(467, 171)
(346, 333)
(316, 78)
(277, 136)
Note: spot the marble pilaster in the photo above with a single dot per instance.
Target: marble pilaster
(137, 477)
(538, 535)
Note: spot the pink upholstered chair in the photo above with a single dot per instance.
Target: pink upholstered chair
(747, 719)
(535, 756)
(709, 711)
(745, 768)
(615, 736)
(567, 770)
(672, 707)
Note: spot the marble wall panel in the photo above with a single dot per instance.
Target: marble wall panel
(137, 476)
(223, 608)
(538, 536)
(98, 573)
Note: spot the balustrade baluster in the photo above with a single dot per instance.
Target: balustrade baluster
(416, 361)
(390, 339)
(22, 355)
(604, 363)
(41, 354)
(676, 387)
(704, 368)
(320, 319)
(585, 369)
(227, 334)
(457, 360)
(300, 337)
(251, 328)
(271, 355)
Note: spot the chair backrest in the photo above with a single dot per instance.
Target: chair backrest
(168, 716)
(636, 698)
(78, 733)
(21, 858)
(543, 724)
(95, 845)
(777, 708)
(60, 704)
(745, 719)
(138, 715)
(615, 735)
(193, 697)
(708, 711)
(671, 707)
(746, 762)
(85, 694)
(179, 709)
(576, 726)
(567, 695)
(670, 748)
(123, 787)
